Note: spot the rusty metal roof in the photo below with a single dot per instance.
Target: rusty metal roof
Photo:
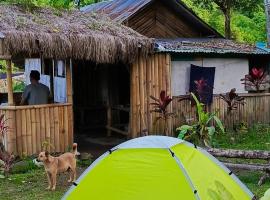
(207, 46)
(121, 10)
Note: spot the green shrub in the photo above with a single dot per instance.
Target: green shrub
(23, 166)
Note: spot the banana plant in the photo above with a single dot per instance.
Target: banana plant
(201, 131)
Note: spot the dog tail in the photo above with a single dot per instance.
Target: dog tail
(74, 148)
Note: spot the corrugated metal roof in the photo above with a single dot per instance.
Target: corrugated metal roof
(207, 45)
(120, 10)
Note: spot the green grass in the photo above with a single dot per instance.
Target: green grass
(256, 138)
(29, 186)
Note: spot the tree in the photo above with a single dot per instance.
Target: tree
(226, 6)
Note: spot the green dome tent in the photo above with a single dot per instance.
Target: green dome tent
(157, 168)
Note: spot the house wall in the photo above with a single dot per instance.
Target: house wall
(228, 73)
(159, 21)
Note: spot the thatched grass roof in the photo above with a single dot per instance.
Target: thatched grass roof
(69, 34)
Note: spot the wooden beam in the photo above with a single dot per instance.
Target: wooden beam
(117, 130)
(9, 83)
(69, 81)
(5, 57)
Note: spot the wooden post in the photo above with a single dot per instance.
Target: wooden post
(69, 82)
(69, 99)
(109, 120)
(9, 84)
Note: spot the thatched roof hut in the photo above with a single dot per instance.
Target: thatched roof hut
(68, 34)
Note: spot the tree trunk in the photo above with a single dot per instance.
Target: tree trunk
(251, 167)
(229, 153)
(227, 15)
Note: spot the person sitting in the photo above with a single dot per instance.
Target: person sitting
(35, 93)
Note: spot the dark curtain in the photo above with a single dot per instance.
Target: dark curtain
(202, 83)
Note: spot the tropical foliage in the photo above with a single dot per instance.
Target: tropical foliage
(160, 106)
(232, 99)
(203, 130)
(6, 158)
(258, 79)
(59, 4)
(248, 21)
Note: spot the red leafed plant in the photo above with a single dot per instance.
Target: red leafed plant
(201, 85)
(160, 105)
(6, 157)
(256, 79)
(232, 99)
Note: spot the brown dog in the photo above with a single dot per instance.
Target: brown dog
(55, 165)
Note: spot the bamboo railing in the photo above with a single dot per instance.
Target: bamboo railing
(32, 128)
(255, 110)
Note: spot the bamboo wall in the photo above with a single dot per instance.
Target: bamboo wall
(33, 126)
(148, 77)
(255, 110)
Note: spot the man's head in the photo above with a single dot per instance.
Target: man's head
(34, 76)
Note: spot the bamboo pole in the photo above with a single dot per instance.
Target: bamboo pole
(141, 80)
(9, 83)
(133, 98)
(148, 89)
(138, 105)
(38, 126)
(34, 131)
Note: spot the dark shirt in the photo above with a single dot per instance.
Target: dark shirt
(36, 94)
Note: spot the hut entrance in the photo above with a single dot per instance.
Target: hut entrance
(101, 96)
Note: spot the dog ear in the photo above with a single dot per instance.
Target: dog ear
(46, 153)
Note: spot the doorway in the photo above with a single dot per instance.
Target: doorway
(101, 98)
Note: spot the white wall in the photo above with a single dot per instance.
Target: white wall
(229, 71)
